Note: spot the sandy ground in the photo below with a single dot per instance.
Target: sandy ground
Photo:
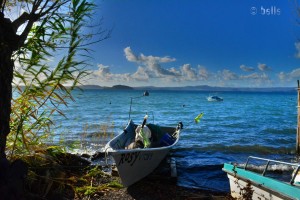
(155, 188)
(160, 185)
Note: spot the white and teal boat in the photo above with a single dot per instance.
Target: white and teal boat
(264, 179)
(135, 164)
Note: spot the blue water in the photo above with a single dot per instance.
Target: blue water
(245, 123)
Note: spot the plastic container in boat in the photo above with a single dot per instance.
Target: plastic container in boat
(167, 140)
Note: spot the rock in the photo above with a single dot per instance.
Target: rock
(70, 160)
(12, 179)
(114, 171)
(85, 156)
(4, 166)
(98, 155)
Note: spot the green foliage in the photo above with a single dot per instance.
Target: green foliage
(52, 62)
(92, 190)
(55, 150)
(54, 171)
(86, 190)
(94, 172)
(93, 176)
(115, 184)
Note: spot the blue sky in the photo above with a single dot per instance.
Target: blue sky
(249, 43)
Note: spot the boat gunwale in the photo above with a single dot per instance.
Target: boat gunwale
(242, 174)
(109, 149)
(214, 98)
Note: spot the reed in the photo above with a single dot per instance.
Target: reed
(40, 86)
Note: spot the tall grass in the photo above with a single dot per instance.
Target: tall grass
(42, 86)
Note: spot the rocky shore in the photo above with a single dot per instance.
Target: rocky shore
(52, 174)
(160, 185)
(158, 188)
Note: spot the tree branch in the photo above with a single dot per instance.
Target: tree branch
(32, 18)
(44, 6)
(2, 5)
(55, 6)
(35, 5)
(19, 21)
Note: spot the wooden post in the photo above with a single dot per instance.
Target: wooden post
(298, 120)
(173, 168)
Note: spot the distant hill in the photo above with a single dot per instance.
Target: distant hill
(193, 88)
(120, 87)
(90, 87)
(97, 87)
(221, 89)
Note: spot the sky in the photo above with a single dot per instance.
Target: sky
(232, 43)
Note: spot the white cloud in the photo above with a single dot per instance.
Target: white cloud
(295, 73)
(263, 67)
(151, 64)
(251, 76)
(203, 73)
(140, 75)
(130, 56)
(256, 76)
(188, 72)
(228, 75)
(246, 69)
(103, 75)
(289, 76)
(151, 71)
(297, 45)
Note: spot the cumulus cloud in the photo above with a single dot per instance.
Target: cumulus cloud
(189, 72)
(255, 76)
(246, 69)
(130, 56)
(151, 70)
(289, 76)
(251, 76)
(103, 74)
(263, 67)
(141, 75)
(297, 45)
(203, 73)
(228, 75)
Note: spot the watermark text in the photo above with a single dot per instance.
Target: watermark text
(265, 10)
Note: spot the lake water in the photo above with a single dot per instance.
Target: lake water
(245, 123)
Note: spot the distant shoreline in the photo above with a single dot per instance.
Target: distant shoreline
(203, 88)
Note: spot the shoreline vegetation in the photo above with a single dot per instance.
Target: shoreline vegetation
(52, 173)
(34, 89)
(205, 88)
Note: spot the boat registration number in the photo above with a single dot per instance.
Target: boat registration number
(131, 158)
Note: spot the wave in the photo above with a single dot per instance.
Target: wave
(239, 149)
(286, 131)
(207, 177)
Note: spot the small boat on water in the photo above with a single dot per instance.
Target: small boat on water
(214, 98)
(134, 164)
(260, 179)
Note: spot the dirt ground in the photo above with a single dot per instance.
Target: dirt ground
(156, 188)
(160, 185)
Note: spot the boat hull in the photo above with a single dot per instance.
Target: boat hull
(135, 164)
(214, 98)
(242, 181)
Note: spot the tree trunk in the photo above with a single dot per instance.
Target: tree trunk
(6, 74)
(7, 46)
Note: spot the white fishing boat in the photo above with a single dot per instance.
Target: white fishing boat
(214, 98)
(135, 164)
(260, 179)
